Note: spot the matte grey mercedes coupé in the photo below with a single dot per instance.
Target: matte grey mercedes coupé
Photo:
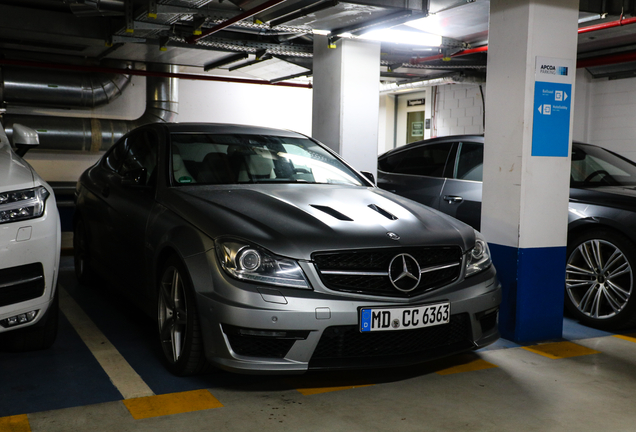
(260, 251)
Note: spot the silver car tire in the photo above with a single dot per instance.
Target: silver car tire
(599, 282)
(178, 322)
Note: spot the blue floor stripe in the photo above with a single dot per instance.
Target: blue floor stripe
(63, 376)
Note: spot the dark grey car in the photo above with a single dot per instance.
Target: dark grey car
(260, 250)
(445, 174)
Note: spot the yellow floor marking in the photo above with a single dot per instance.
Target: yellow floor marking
(122, 375)
(319, 390)
(631, 338)
(559, 350)
(18, 423)
(474, 365)
(172, 403)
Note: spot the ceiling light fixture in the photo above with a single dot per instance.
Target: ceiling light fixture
(403, 37)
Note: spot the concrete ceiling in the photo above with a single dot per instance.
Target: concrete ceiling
(272, 40)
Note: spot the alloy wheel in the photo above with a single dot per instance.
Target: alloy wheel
(599, 279)
(172, 314)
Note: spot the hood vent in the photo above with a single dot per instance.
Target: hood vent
(332, 212)
(383, 212)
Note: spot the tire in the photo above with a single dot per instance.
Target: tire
(178, 322)
(599, 281)
(81, 255)
(36, 337)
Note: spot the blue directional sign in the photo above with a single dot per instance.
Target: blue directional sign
(551, 126)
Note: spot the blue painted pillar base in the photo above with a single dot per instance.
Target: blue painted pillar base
(533, 283)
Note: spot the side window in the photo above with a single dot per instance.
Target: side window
(426, 160)
(141, 152)
(470, 162)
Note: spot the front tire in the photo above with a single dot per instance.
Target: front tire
(81, 256)
(600, 276)
(178, 322)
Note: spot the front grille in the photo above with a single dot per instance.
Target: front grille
(367, 271)
(347, 346)
(22, 283)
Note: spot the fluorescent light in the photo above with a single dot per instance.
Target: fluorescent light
(403, 37)
(321, 32)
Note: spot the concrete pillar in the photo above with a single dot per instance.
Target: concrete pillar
(531, 69)
(345, 99)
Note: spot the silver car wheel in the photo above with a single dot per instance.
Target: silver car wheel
(172, 314)
(599, 279)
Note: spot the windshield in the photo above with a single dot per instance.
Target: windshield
(594, 167)
(232, 159)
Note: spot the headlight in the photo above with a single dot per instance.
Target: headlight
(22, 204)
(254, 264)
(478, 258)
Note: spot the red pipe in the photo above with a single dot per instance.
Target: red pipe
(145, 73)
(592, 28)
(603, 26)
(441, 56)
(606, 60)
(239, 17)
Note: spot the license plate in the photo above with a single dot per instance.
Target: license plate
(404, 318)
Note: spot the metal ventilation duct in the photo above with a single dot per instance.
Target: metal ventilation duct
(91, 134)
(30, 86)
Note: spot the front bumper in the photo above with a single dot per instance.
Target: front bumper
(257, 329)
(29, 260)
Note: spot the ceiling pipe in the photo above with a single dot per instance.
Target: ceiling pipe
(247, 14)
(606, 60)
(29, 86)
(94, 135)
(587, 29)
(146, 73)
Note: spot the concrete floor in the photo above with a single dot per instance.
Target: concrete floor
(586, 382)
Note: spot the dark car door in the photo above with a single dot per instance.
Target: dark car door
(128, 196)
(417, 172)
(461, 194)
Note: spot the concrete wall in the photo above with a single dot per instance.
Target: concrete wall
(459, 110)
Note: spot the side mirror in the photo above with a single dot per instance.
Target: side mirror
(136, 177)
(369, 176)
(24, 139)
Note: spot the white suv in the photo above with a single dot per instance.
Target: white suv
(29, 249)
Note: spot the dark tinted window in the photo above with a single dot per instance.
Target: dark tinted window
(595, 166)
(470, 163)
(427, 160)
(138, 150)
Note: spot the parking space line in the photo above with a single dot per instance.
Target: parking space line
(560, 350)
(629, 337)
(173, 403)
(17, 423)
(475, 365)
(121, 374)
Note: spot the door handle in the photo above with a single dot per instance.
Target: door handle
(452, 199)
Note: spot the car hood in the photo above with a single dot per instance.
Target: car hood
(295, 220)
(623, 197)
(15, 173)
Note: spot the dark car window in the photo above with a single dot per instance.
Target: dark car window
(594, 166)
(427, 160)
(235, 158)
(138, 150)
(470, 161)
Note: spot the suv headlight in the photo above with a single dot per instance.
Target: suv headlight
(478, 258)
(254, 264)
(22, 204)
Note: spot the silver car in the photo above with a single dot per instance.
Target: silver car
(260, 251)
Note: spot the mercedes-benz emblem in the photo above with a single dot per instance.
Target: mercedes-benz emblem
(393, 236)
(404, 272)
